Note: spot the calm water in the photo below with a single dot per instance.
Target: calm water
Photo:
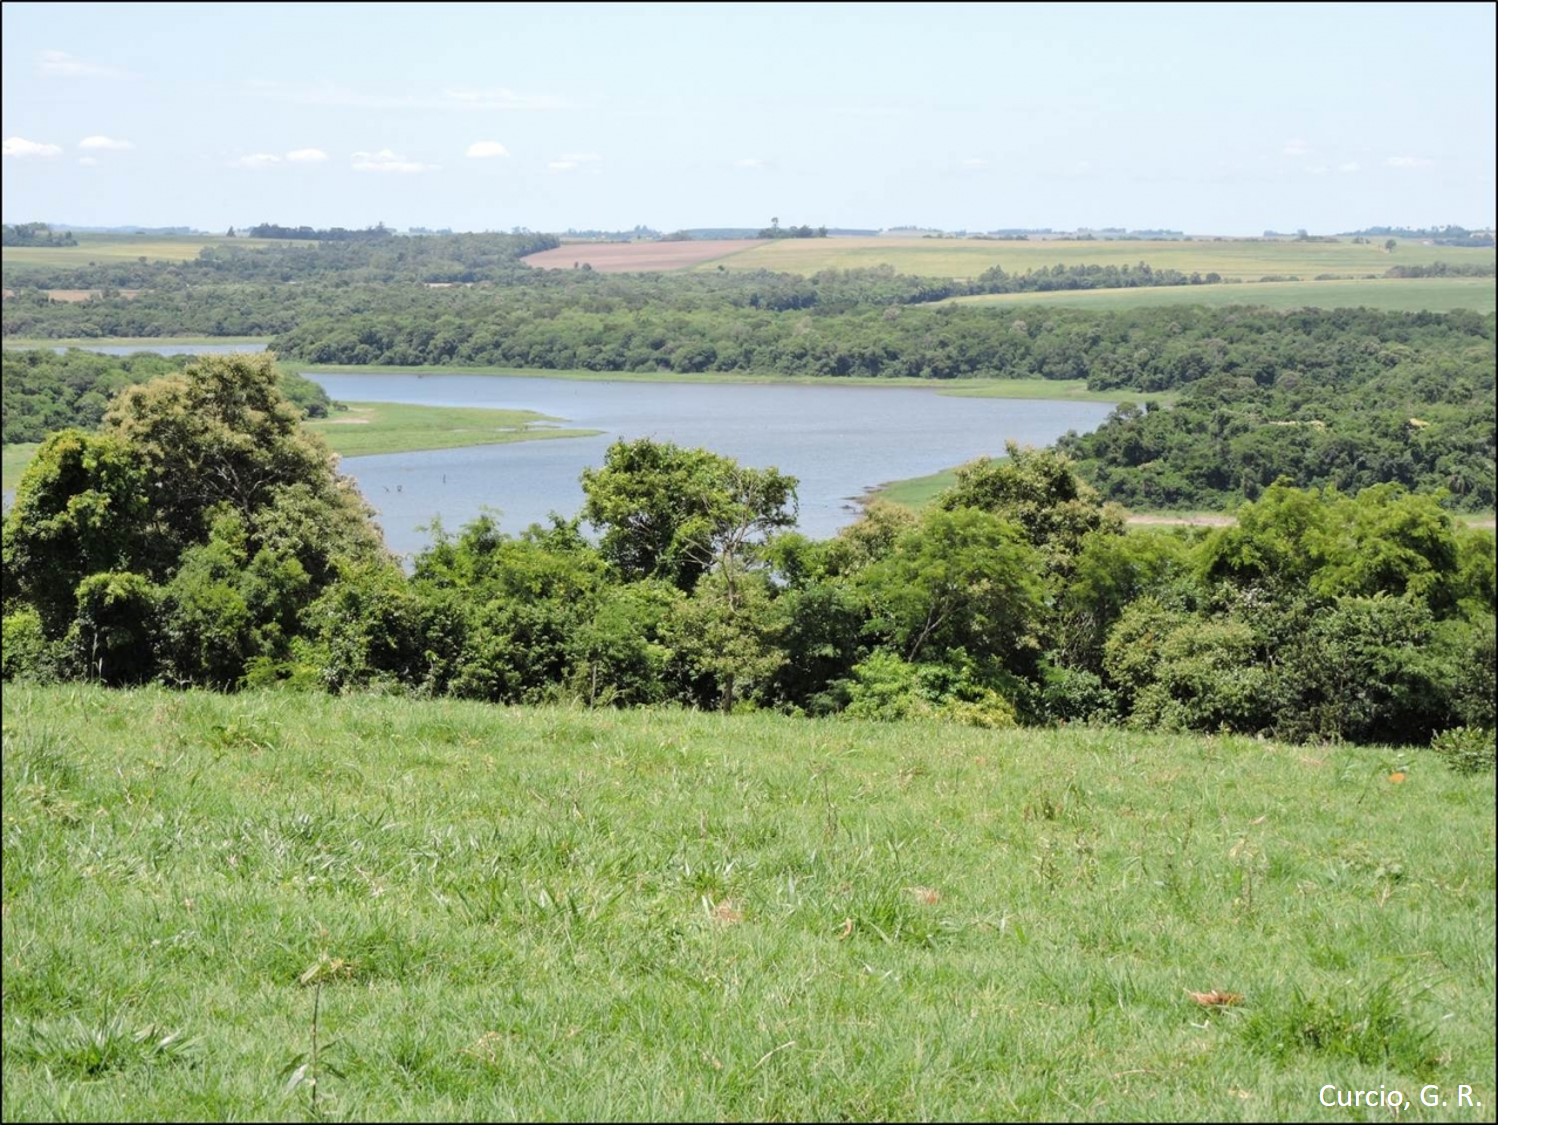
(179, 349)
(838, 441)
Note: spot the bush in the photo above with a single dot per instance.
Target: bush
(1468, 749)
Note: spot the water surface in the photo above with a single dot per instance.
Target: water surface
(839, 441)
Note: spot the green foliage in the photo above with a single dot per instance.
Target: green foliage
(962, 579)
(670, 513)
(46, 390)
(1468, 749)
(28, 652)
(1038, 491)
(1179, 670)
(114, 636)
(885, 687)
(1368, 668)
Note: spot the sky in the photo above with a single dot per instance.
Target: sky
(1211, 119)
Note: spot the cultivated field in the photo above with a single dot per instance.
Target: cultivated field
(1451, 293)
(102, 247)
(643, 256)
(1244, 259)
(282, 906)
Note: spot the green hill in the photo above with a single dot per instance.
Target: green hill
(282, 906)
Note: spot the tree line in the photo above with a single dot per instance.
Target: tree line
(35, 234)
(203, 536)
(44, 391)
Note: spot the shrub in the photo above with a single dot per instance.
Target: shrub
(1468, 749)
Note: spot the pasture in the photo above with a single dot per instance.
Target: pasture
(107, 247)
(360, 429)
(1449, 293)
(1245, 260)
(285, 906)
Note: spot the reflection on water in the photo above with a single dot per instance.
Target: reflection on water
(839, 441)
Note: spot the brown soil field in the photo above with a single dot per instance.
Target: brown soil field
(643, 256)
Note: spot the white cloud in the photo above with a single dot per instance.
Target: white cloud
(750, 163)
(102, 142)
(1406, 162)
(387, 161)
(1295, 148)
(1349, 167)
(22, 148)
(1316, 170)
(486, 150)
(568, 162)
(258, 161)
(975, 163)
(87, 162)
(62, 65)
(498, 98)
(306, 155)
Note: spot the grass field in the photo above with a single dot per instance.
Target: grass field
(15, 459)
(103, 247)
(1480, 293)
(389, 427)
(393, 427)
(1243, 259)
(279, 906)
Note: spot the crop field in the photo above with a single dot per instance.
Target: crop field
(641, 256)
(390, 427)
(285, 906)
(1451, 293)
(102, 247)
(962, 259)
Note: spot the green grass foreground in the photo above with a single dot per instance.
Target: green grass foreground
(364, 428)
(524, 914)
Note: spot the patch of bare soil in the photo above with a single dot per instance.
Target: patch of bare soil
(638, 256)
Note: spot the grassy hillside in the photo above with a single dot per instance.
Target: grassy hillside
(284, 906)
(1449, 293)
(1244, 259)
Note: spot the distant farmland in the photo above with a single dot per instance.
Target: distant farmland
(101, 247)
(1245, 260)
(1437, 294)
(642, 256)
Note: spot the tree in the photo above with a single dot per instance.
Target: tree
(670, 513)
(1038, 491)
(962, 579)
(189, 533)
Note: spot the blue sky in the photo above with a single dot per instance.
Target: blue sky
(1208, 118)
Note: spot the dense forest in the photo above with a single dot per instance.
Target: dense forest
(202, 536)
(1337, 399)
(48, 390)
